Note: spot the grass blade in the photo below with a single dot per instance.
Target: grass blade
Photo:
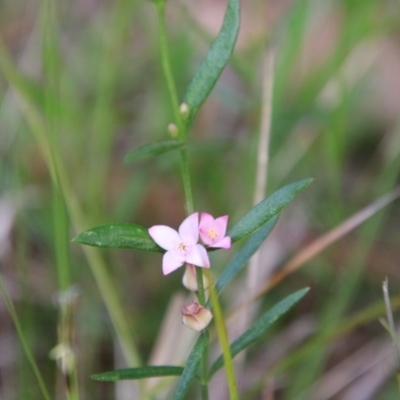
(138, 373)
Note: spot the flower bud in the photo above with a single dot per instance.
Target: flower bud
(173, 130)
(184, 110)
(64, 356)
(189, 279)
(196, 316)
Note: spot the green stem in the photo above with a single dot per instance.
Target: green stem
(205, 378)
(169, 78)
(21, 336)
(187, 186)
(224, 342)
(165, 60)
(200, 285)
(166, 64)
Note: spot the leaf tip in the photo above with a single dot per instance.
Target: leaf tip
(302, 292)
(97, 377)
(75, 239)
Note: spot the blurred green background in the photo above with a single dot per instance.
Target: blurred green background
(90, 70)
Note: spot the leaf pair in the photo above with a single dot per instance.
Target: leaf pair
(132, 236)
(203, 80)
(188, 373)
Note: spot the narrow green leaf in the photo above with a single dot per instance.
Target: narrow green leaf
(138, 373)
(239, 261)
(216, 59)
(266, 209)
(153, 149)
(191, 366)
(119, 236)
(253, 333)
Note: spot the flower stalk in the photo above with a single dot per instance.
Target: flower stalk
(180, 113)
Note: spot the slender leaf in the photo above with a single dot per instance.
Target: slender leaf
(138, 373)
(119, 236)
(266, 209)
(191, 366)
(239, 261)
(153, 149)
(253, 333)
(216, 59)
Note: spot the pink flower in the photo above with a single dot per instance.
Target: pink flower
(181, 246)
(196, 316)
(212, 231)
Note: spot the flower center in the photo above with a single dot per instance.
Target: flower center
(183, 247)
(212, 233)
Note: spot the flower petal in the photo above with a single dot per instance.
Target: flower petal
(206, 224)
(198, 256)
(221, 223)
(206, 221)
(164, 236)
(172, 260)
(225, 243)
(189, 229)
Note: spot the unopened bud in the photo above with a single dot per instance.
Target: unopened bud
(184, 110)
(196, 316)
(65, 358)
(173, 130)
(189, 279)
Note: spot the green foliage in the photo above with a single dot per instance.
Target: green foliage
(133, 236)
(106, 91)
(266, 209)
(153, 149)
(239, 261)
(216, 59)
(191, 366)
(149, 371)
(260, 326)
(119, 236)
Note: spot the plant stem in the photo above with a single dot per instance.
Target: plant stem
(204, 378)
(187, 186)
(224, 342)
(166, 64)
(169, 78)
(165, 60)
(200, 285)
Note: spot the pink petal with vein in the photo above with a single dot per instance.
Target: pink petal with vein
(189, 229)
(221, 223)
(206, 221)
(164, 236)
(198, 256)
(172, 260)
(225, 243)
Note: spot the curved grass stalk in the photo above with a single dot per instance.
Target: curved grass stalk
(27, 350)
(63, 185)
